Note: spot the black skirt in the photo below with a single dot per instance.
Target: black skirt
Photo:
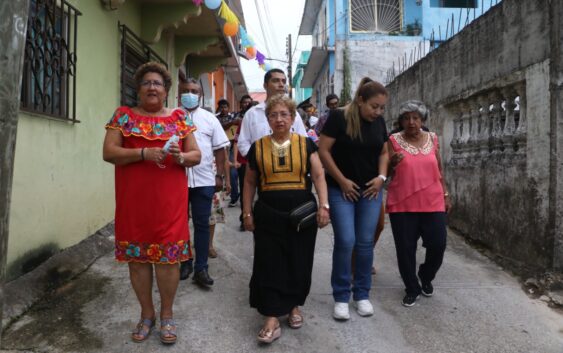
(283, 262)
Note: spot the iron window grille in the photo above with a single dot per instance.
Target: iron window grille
(134, 53)
(49, 71)
(383, 16)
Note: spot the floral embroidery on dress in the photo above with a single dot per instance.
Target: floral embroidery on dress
(168, 253)
(153, 128)
(425, 149)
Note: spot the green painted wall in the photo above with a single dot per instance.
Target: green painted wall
(62, 190)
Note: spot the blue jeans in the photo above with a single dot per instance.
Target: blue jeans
(234, 178)
(234, 185)
(354, 226)
(200, 199)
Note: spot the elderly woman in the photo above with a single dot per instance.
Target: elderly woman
(417, 200)
(151, 225)
(282, 166)
(352, 148)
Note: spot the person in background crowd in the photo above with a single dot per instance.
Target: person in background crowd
(230, 123)
(240, 162)
(354, 190)
(331, 103)
(282, 166)
(217, 211)
(151, 223)
(309, 125)
(255, 123)
(203, 179)
(417, 200)
(244, 105)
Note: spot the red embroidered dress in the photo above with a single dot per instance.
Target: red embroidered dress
(151, 214)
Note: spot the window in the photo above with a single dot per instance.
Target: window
(375, 15)
(454, 3)
(134, 53)
(49, 71)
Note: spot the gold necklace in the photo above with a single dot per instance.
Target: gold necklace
(280, 149)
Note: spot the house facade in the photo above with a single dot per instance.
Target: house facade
(301, 93)
(79, 62)
(357, 38)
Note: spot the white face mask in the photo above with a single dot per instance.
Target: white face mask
(189, 100)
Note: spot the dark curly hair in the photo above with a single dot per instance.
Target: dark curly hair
(153, 66)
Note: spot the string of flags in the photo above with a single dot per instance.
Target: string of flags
(232, 26)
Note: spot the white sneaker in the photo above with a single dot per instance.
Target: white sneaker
(364, 307)
(341, 311)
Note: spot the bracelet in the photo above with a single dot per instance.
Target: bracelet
(383, 177)
(143, 153)
(247, 215)
(446, 194)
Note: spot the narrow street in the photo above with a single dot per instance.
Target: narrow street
(477, 307)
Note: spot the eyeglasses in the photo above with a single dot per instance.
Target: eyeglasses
(282, 115)
(155, 83)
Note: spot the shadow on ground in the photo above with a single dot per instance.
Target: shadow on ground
(57, 320)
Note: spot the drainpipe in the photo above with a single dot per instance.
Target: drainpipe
(12, 45)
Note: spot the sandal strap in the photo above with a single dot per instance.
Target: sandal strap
(167, 327)
(144, 327)
(267, 332)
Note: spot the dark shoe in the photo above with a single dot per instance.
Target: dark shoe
(241, 228)
(410, 299)
(186, 269)
(202, 278)
(427, 289)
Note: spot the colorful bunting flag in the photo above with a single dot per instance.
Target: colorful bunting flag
(233, 22)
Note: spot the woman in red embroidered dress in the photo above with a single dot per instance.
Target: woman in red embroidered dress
(151, 225)
(417, 200)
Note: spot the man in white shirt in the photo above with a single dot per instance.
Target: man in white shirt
(255, 123)
(202, 179)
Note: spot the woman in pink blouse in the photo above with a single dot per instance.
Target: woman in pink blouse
(417, 200)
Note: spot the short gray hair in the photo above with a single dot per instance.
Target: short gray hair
(413, 106)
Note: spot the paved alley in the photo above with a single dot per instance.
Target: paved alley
(477, 307)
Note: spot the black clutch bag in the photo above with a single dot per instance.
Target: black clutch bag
(304, 215)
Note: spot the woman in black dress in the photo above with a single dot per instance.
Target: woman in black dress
(282, 166)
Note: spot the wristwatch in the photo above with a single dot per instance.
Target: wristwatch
(326, 206)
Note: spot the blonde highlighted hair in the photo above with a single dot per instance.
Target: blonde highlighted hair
(367, 88)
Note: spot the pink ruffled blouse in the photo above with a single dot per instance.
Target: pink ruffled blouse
(417, 183)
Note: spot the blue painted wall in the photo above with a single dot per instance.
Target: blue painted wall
(427, 14)
(436, 18)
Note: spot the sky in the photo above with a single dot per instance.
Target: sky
(280, 18)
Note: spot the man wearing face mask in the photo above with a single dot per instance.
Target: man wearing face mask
(255, 123)
(202, 179)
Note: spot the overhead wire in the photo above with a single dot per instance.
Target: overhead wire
(268, 51)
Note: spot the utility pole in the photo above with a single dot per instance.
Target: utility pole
(12, 44)
(289, 65)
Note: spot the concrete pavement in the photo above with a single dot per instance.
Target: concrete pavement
(477, 307)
